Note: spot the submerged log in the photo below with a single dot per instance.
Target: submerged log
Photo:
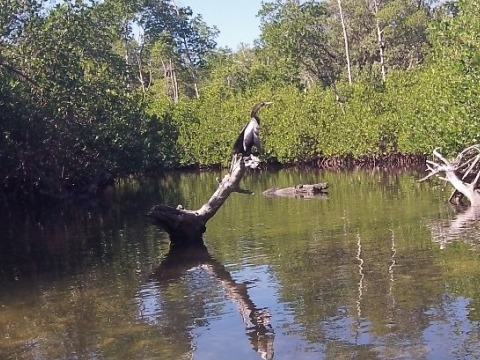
(302, 190)
(463, 173)
(187, 226)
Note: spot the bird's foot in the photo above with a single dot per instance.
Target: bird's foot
(252, 162)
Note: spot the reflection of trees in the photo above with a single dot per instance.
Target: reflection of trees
(412, 296)
(70, 236)
(177, 263)
(382, 312)
(64, 289)
(361, 276)
(391, 288)
(361, 293)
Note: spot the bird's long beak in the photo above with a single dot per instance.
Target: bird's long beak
(268, 102)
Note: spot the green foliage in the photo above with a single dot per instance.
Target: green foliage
(68, 116)
(174, 47)
(458, 54)
(416, 110)
(81, 96)
(297, 42)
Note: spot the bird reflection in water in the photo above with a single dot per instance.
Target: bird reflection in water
(178, 262)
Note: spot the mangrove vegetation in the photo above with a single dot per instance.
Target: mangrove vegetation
(94, 90)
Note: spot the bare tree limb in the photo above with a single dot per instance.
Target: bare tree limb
(463, 173)
(188, 226)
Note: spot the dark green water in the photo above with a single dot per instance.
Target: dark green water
(382, 268)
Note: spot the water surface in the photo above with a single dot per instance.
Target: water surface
(381, 268)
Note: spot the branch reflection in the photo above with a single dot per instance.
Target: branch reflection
(181, 260)
(391, 270)
(464, 226)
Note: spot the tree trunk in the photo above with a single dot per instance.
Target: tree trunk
(170, 80)
(187, 226)
(174, 82)
(345, 39)
(140, 70)
(190, 64)
(381, 44)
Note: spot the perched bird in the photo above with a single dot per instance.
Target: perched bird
(249, 135)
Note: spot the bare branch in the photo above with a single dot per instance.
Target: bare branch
(187, 226)
(463, 173)
(437, 154)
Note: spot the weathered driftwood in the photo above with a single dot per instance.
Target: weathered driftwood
(463, 173)
(302, 190)
(187, 226)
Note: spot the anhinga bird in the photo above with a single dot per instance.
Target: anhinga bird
(249, 135)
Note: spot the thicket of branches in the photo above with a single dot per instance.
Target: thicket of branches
(120, 87)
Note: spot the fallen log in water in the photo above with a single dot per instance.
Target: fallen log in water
(301, 190)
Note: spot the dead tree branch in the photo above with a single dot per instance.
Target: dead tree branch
(187, 226)
(463, 173)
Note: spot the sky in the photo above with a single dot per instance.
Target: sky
(236, 20)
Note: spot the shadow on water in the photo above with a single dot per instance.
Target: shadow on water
(182, 259)
(69, 236)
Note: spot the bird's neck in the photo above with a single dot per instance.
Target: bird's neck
(257, 119)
